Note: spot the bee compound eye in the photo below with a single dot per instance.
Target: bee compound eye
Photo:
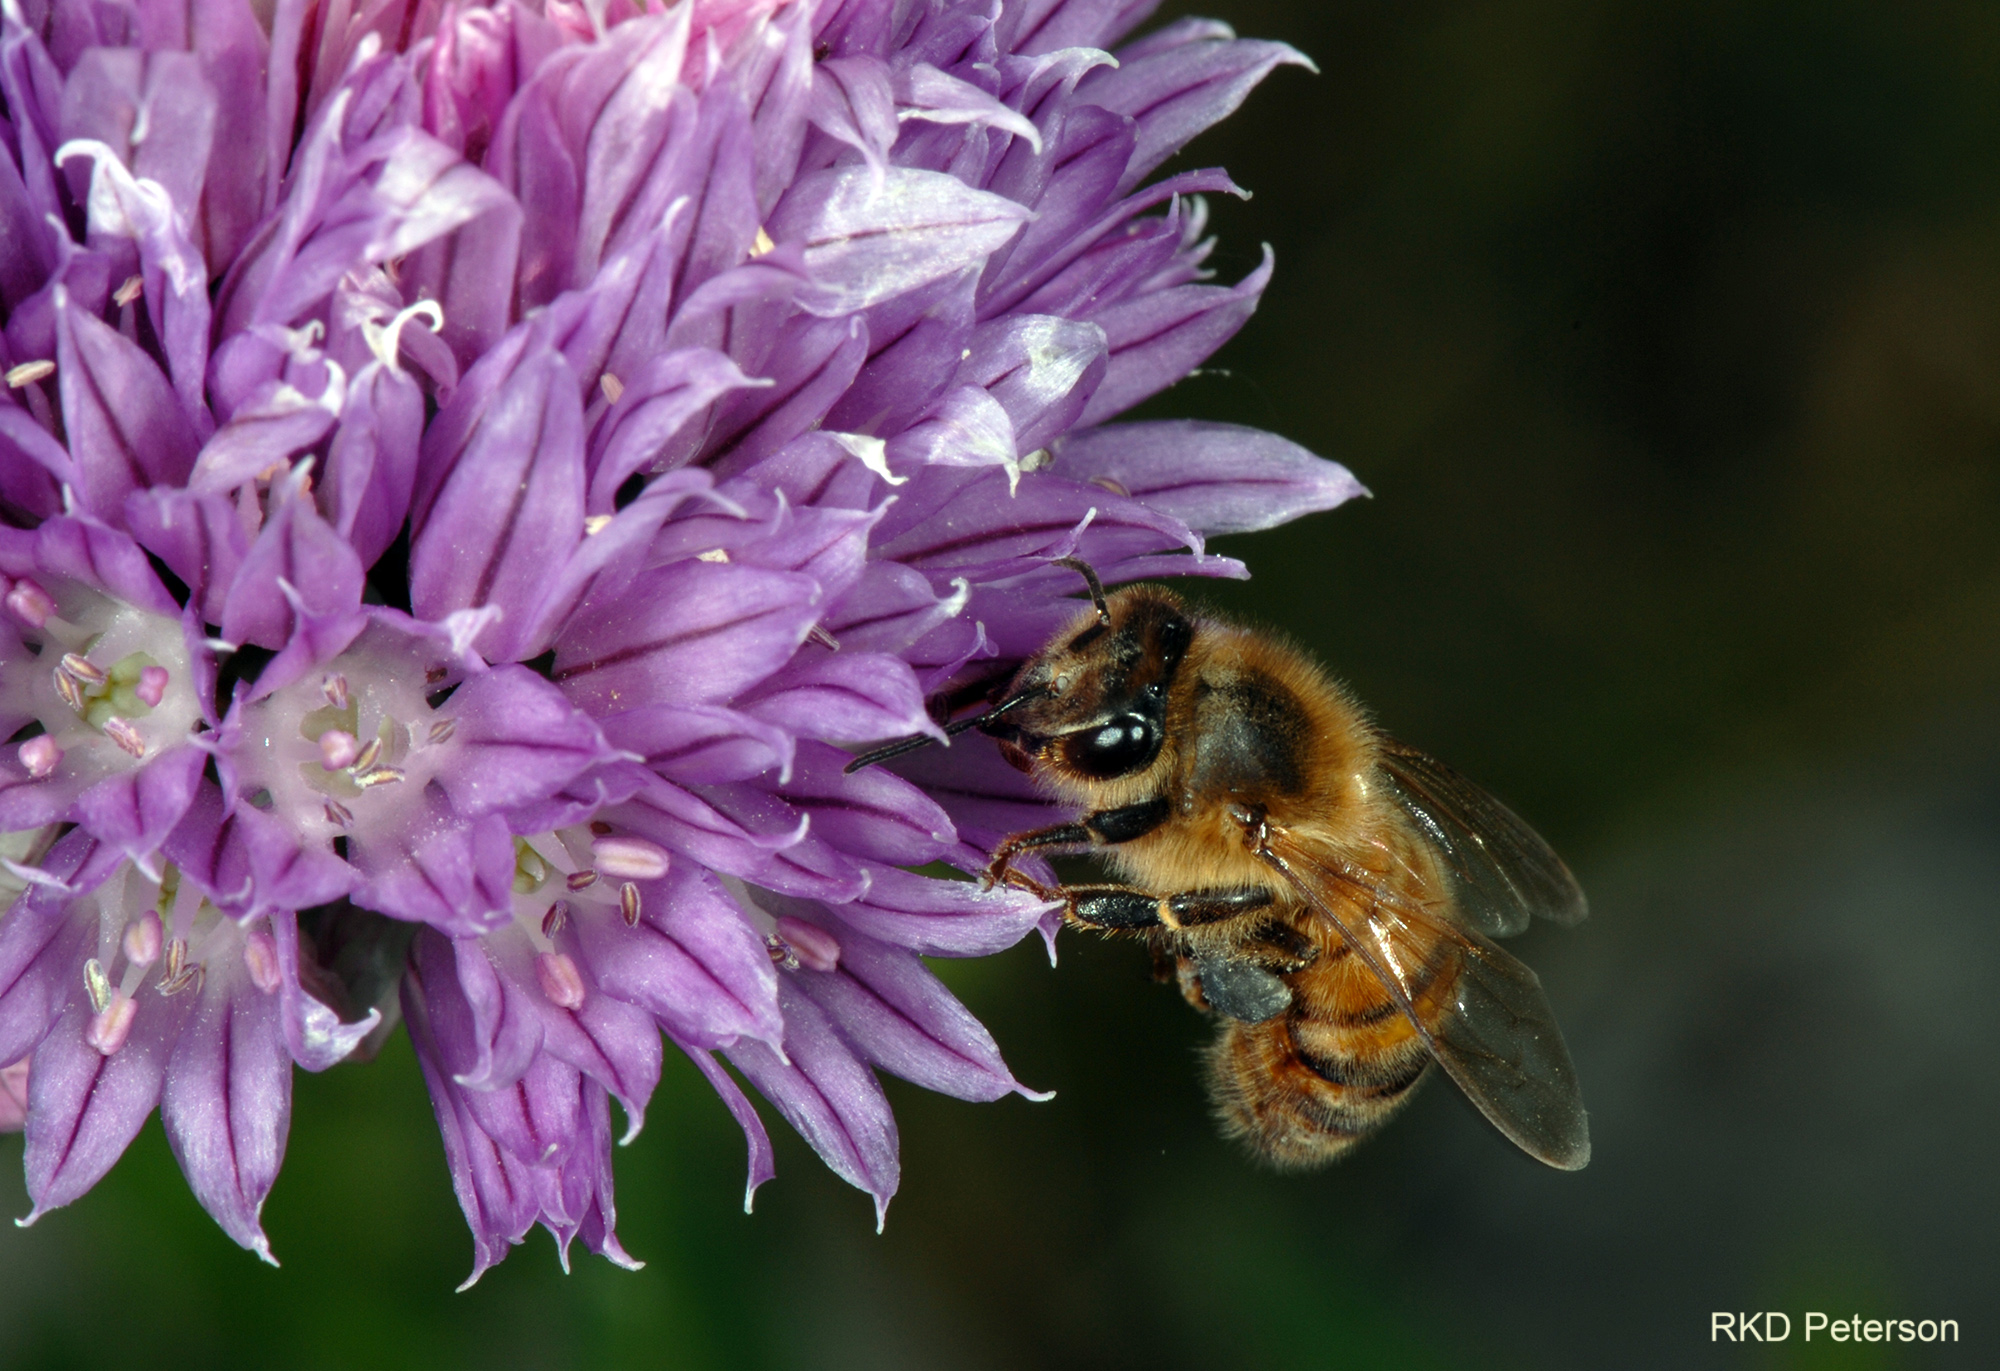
(1126, 744)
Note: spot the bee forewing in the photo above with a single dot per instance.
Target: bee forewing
(1498, 1039)
(1502, 873)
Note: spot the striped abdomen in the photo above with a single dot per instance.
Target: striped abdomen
(1306, 1085)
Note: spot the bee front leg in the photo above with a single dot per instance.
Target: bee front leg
(1105, 828)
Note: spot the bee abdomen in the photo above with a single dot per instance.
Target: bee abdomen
(1291, 1090)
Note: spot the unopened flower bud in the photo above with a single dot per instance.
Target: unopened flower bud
(260, 957)
(629, 859)
(560, 980)
(40, 756)
(816, 949)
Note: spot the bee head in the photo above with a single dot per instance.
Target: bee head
(1093, 702)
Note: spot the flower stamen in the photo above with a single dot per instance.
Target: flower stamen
(560, 980)
(41, 756)
(629, 858)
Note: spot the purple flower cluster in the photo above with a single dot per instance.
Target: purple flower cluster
(469, 474)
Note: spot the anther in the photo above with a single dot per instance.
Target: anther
(129, 290)
(781, 952)
(187, 978)
(826, 640)
(596, 524)
(435, 674)
(814, 947)
(338, 749)
(553, 921)
(142, 939)
(27, 373)
(151, 686)
(628, 858)
(177, 950)
(628, 904)
(365, 758)
(560, 980)
(121, 732)
(334, 688)
(30, 603)
(96, 984)
(260, 958)
(40, 756)
(112, 1025)
(442, 730)
(71, 692)
(80, 668)
(611, 386)
(762, 243)
(582, 880)
(338, 813)
(381, 775)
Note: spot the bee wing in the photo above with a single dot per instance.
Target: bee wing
(1498, 1040)
(1502, 873)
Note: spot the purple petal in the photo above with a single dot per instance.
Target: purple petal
(1181, 80)
(294, 549)
(656, 403)
(512, 504)
(691, 633)
(865, 242)
(486, 1028)
(201, 538)
(227, 1103)
(500, 1195)
(853, 102)
(249, 863)
(745, 831)
(42, 947)
(372, 465)
(703, 744)
(134, 811)
(1157, 339)
(763, 1165)
(840, 695)
(314, 1035)
(84, 1107)
(896, 1014)
(872, 814)
(1040, 368)
(516, 739)
(1046, 25)
(454, 874)
(614, 1043)
(1217, 478)
(126, 427)
(936, 918)
(693, 961)
(829, 1095)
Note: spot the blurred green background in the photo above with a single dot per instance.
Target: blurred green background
(1668, 339)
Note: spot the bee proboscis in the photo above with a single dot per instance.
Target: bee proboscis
(1330, 894)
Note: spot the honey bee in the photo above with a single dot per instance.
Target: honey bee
(1328, 893)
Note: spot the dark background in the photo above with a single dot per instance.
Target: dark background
(1668, 338)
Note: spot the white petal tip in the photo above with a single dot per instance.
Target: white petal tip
(1038, 1096)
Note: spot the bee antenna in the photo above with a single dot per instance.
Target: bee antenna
(1083, 569)
(917, 740)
